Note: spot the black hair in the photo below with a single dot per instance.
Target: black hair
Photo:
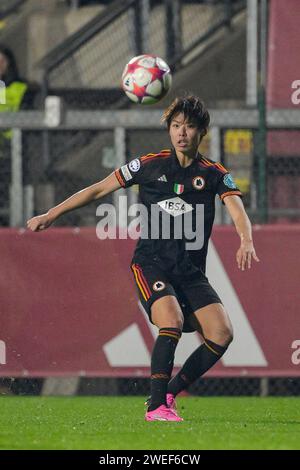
(192, 108)
(12, 73)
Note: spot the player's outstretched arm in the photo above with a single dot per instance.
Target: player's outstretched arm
(243, 227)
(79, 199)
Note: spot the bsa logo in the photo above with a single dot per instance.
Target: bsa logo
(198, 183)
(175, 206)
(158, 286)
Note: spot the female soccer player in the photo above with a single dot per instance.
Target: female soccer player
(168, 269)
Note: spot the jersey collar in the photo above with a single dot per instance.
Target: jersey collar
(176, 165)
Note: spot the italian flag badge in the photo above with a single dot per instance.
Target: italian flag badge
(178, 188)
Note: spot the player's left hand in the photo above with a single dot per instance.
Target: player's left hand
(245, 254)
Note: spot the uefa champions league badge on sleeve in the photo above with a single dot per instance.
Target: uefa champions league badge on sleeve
(229, 181)
(134, 165)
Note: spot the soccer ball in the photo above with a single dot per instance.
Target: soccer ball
(146, 79)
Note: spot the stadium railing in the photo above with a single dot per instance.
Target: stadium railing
(94, 56)
(31, 181)
(9, 7)
(205, 387)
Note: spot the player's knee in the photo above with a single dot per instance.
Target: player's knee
(228, 336)
(222, 335)
(169, 322)
(176, 323)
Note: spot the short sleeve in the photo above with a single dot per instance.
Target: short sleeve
(134, 172)
(226, 186)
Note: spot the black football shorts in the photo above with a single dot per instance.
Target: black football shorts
(153, 283)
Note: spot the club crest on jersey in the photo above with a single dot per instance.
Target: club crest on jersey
(134, 165)
(178, 188)
(158, 286)
(198, 183)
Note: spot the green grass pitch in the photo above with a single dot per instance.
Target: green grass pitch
(118, 423)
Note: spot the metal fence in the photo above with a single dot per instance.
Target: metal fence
(86, 68)
(87, 146)
(8, 7)
(204, 387)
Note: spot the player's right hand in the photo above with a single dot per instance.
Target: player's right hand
(40, 222)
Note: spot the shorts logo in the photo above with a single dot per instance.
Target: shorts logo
(134, 165)
(198, 182)
(158, 286)
(126, 173)
(229, 181)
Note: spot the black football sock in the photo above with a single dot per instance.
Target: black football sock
(162, 365)
(202, 359)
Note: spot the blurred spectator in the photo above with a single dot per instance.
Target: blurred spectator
(19, 95)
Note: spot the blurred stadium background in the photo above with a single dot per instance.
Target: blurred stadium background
(69, 316)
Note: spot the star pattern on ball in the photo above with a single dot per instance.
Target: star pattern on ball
(143, 79)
